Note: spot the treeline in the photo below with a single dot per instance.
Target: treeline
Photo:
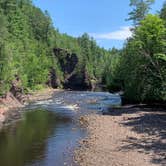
(33, 51)
(139, 70)
(27, 41)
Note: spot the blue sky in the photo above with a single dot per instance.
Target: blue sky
(102, 19)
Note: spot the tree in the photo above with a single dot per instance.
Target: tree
(27, 44)
(5, 59)
(143, 63)
(140, 10)
(163, 12)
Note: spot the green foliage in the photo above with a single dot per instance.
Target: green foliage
(140, 10)
(92, 57)
(5, 59)
(5, 69)
(24, 44)
(142, 67)
(162, 13)
(151, 35)
(27, 40)
(111, 75)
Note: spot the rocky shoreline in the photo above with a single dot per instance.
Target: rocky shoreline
(11, 107)
(124, 137)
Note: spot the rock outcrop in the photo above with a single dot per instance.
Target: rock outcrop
(17, 90)
(74, 78)
(68, 61)
(53, 81)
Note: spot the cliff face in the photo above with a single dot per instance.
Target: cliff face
(68, 61)
(74, 78)
(53, 81)
(78, 81)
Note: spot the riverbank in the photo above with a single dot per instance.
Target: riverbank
(10, 107)
(124, 137)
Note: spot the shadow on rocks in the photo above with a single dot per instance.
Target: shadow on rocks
(150, 123)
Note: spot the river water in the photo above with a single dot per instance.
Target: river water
(49, 131)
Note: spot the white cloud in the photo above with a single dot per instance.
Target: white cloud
(121, 34)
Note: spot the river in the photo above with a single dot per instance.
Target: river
(49, 130)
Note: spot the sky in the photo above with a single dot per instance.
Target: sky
(102, 19)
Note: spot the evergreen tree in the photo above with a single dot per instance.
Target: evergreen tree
(140, 10)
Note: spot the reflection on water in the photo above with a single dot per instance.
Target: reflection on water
(48, 135)
(34, 141)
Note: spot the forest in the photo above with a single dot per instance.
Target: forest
(33, 51)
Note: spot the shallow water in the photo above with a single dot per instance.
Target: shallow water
(48, 135)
